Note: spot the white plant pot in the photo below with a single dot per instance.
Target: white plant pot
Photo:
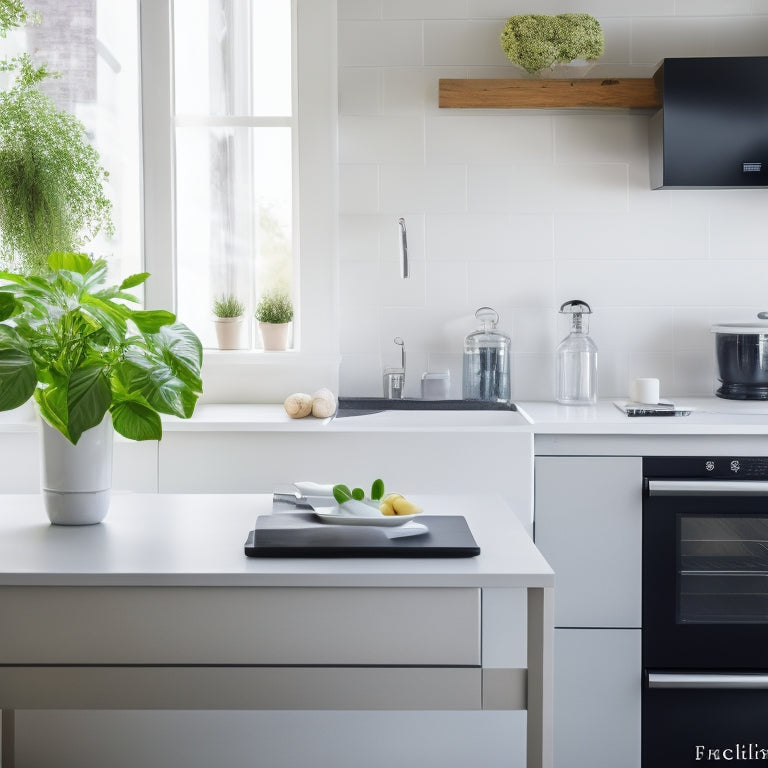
(76, 479)
(228, 331)
(274, 336)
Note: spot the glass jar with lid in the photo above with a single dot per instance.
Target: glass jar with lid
(486, 366)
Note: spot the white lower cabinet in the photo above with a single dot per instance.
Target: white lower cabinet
(588, 525)
(597, 698)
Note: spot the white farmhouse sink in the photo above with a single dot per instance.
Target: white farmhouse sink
(365, 413)
(447, 419)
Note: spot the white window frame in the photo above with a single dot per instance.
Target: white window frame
(256, 376)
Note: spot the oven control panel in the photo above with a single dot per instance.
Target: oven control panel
(716, 467)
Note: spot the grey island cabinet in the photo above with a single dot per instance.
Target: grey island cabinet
(159, 608)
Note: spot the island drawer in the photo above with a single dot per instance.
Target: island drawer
(240, 625)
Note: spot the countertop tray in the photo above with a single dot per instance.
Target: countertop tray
(302, 536)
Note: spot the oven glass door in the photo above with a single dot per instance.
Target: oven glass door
(705, 582)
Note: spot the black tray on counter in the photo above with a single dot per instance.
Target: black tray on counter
(448, 536)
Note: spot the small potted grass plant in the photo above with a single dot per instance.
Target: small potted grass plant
(228, 313)
(274, 313)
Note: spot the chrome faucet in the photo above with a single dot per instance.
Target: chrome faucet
(403, 251)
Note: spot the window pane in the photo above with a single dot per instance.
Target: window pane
(233, 57)
(93, 44)
(233, 160)
(233, 221)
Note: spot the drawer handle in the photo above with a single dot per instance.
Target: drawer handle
(707, 488)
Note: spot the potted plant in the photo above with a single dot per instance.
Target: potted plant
(228, 313)
(51, 179)
(274, 313)
(91, 362)
(539, 43)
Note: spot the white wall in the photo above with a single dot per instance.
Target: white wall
(525, 209)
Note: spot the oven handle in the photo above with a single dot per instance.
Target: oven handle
(707, 488)
(675, 680)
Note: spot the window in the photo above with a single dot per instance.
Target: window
(219, 138)
(233, 137)
(249, 376)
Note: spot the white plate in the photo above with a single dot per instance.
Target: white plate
(335, 516)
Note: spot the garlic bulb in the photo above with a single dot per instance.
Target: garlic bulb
(323, 403)
(298, 405)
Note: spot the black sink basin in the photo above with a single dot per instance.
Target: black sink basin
(357, 406)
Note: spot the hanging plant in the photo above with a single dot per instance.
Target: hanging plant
(51, 179)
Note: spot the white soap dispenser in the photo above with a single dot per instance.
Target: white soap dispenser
(576, 358)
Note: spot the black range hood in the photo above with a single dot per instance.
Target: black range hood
(712, 131)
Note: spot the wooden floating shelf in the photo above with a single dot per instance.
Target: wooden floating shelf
(624, 93)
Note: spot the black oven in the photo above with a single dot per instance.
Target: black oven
(705, 612)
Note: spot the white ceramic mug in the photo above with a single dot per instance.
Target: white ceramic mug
(644, 391)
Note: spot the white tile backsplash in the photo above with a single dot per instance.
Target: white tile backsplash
(358, 189)
(603, 138)
(359, 9)
(525, 209)
(513, 284)
(427, 188)
(424, 9)
(470, 41)
(713, 7)
(631, 236)
(380, 43)
(546, 188)
(465, 138)
(446, 284)
(360, 90)
(381, 139)
(489, 237)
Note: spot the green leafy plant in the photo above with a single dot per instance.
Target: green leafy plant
(342, 493)
(274, 308)
(228, 305)
(80, 350)
(536, 41)
(51, 179)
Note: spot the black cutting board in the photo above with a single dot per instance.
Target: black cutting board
(448, 536)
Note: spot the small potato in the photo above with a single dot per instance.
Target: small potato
(298, 405)
(399, 505)
(404, 507)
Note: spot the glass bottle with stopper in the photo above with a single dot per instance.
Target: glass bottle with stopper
(576, 358)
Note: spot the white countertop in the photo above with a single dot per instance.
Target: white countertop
(710, 416)
(198, 540)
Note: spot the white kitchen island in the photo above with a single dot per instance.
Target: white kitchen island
(158, 608)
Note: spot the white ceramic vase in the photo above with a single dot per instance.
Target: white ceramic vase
(228, 331)
(76, 480)
(274, 336)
